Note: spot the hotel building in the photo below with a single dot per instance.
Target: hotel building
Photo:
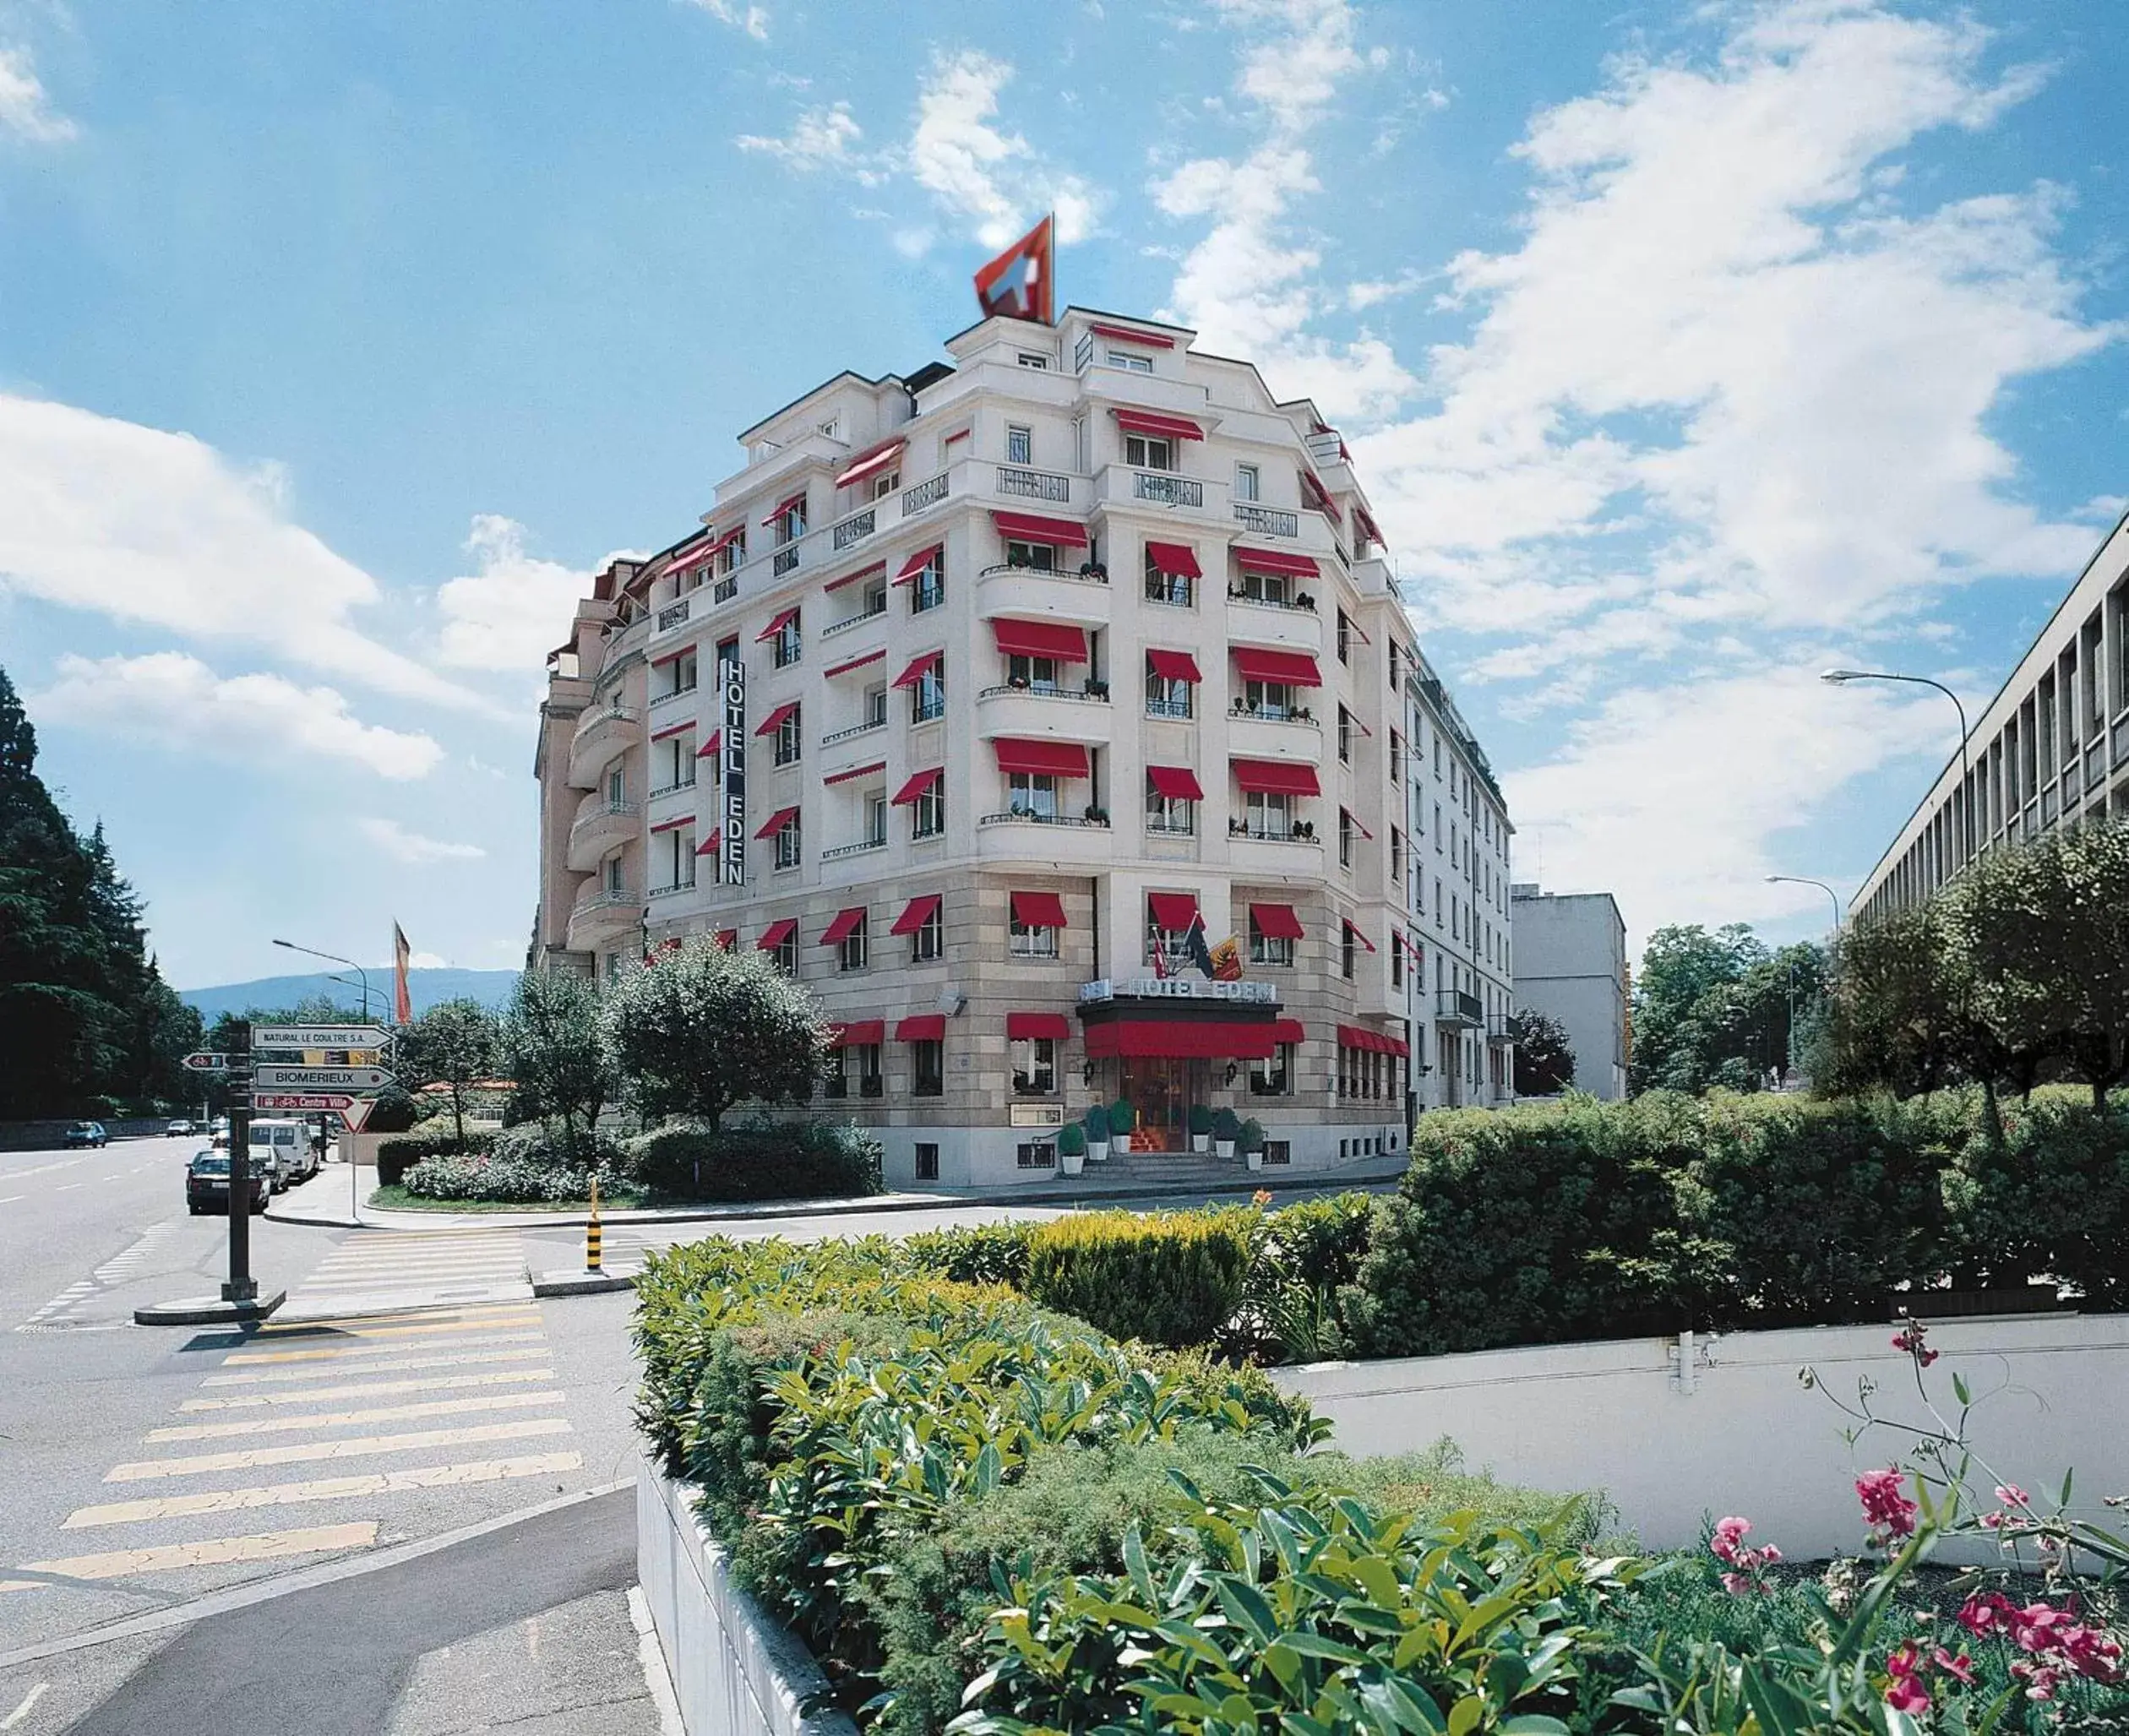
(976, 690)
(2052, 748)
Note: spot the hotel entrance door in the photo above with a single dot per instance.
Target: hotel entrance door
(1161, 1088)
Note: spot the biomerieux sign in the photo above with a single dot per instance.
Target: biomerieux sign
(732, 851)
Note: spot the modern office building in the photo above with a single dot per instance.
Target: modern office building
(2052, 748)
(983, 696)
(1570, 965)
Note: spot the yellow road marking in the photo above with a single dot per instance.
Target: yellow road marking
(350, 1353)
(346, 1337)
(164, 1557)
(350, 1419)
(387, 1359)
(330, 1489)
(304, 1452)
(369, 1389)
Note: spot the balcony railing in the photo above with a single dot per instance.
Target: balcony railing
(1042, 690)
(1276, 714)
(924, 494)
(1094, 575)
(859, 848)
(1266, 520)
(1168, 708)
(725, 589)
(605, 714)
(1171, 828)
(851, 621)
(786, 561)
(1175, 593)
(678, 693)
(1024, 817)
(855, 529)
(1167, 490)
(1455, 1006)
(1033, 485)
(673, 614)
(607, 898)
(855, 730)
(924, 712)
(676, 886)
(1299, 831)
(1498, 1027)
(1237, 594)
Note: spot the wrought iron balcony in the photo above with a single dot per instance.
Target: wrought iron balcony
(1033, 485)
(1455, 1006)
(1266, 520)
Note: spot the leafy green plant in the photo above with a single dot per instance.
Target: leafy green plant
(1250, 1139)
(1227, 1126)
(1201, 1121)
(1071, 1140)
(688, 1159)
(973, 1254)
(1171, 1278)
(1121, 1119)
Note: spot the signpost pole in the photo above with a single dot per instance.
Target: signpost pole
(242, 1286)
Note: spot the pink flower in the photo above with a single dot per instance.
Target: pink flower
(1738, 1583)
(1961, 1666)
(1728, 1546)
(1729, 1537)
(2012, 1495)
(1887, 1509)
(1909, 1339)
(1904, 1689)
(2039, 1680)
(1984, 1614)
(2092, 1654)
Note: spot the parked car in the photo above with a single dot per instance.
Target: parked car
(288, 1145)
(178, 1130)
(207, 1184)
(218, 1133)
(87, 1133)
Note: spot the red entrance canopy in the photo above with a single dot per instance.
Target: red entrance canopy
(1289, 668)
(1276, 560)
(1044, 759)
(1058, 639)
(1287, 1030)
(1276, 777)
(1177, 1039)
(1030, 527)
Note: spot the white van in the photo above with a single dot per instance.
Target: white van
(290, 1143)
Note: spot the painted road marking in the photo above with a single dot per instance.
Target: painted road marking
(29, 1699)
(165, 1557)
(307, 1452)
(386, 1361)
(356, 1419)
(65, 1308)
(348, 1336)
(369, 1389)
(331, 1488)
(352, 1352)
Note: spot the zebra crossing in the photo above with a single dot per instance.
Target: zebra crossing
(70, 1310)
(409, 1403)
(382, 1269)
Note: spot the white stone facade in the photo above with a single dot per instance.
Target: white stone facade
(1570, 965)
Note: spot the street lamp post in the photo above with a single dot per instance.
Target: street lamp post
(1841, 677)
(1804, 880)
(335, 958)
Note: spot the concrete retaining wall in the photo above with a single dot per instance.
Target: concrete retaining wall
(735, 1672)
(1739, 1432)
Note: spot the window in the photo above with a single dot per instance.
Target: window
(1035, 1067)
(928, 942)
(1032, 794)
(1273, 1077)
(1345, 736)
(928, 590)
(1268, 816)
(1279, 1150)
(617, 787)
(1437, 846)
(928, 698)
(886, 484)
(1171, 588)
(1345, 839)
(1039, 673)
(785, 953)
(1025, 941)
(928, 1068)
(1247, 482)
(788, 738)
(1037, 556)
(1348, 951)
(1345, 636)
(1437, 773)
(789, 644)
(870, 1084)
(1397, 758)
(1397, 854)
(676, 764)
(928, 813)
(876, 817)
(1130, 364)
(678, 848)
(1147, 452)
(788, 852)
(875, 704)
(1028, 360)
(926, 1161)
(1171, 945)
(1038, 1153)
(1019, 445)
(1263, 588)
(851, 950)
(1271, 699)
(613, 880)
(678, 677)
(1396, 962)
(875, 596)
(1167, 696)
(733, 556)
(1269, 949)
(1164, 813)
(790, 523)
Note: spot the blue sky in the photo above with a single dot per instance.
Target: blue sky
(1685, 350)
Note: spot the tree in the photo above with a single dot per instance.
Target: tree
(1718, 1009)
(550, 1044)
(702, 1029)
(1544, 1058)
(452, 1043)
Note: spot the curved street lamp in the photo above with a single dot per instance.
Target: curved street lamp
(1841, 677)
(335, 958)
(1802, 880)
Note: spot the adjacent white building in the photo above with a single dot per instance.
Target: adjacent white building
(1570, 965)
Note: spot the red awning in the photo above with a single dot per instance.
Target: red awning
(1173, 560)
(694, 555)
(674, 825)
(870, 462)
(1179, 783)
(1037, 910)
(1275, 560)
(708, 846)
(1059, 639)
(853, 578)
(777, 934)
(774, 721)
(1352, 928)
(1364, 522)
(674, 729)
(916, 913)
(878, 656)
(1357, 826)
(1398, 1045)
(1412, 947)
(1049, 758)
(1028, 527)
(710, 748)
(922, 1028)
(845, 924)
(1176, 1039)
(1287, 1030)
(784, 506)
(777, 822)
(1174, 665)
(1020, 1026)
(1355, 628)
(729, 537)
(1290, 668)
(1276, 777)
(727, 937)
(856, 771)
(776, 626)
(1319, 497)
(918, 562)
(857, 1033)
(1154, 422)
(918, 785)
(1152, 340)
(915, 673)
(1276, 921)
(1173, 912)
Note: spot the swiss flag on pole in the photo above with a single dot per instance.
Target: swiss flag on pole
(1017, 283)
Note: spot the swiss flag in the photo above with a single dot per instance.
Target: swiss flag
(1017, 282)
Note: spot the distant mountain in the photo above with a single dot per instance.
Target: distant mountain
(425, 988)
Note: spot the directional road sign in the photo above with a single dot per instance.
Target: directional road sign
(319, 1036)
(206, 1061)
(305, 1102)
(269, 1078)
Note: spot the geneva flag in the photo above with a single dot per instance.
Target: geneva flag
(1017, 283)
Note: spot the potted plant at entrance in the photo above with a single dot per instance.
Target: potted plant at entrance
(1122, 1123)
(1097, 1135)
(1226, 1128)
(1252, 1143)
(1201, 1128)
(1071, 1148)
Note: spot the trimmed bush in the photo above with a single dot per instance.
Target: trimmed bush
(396, 1157)
(1122, 1119)
(689, 1160)
(2054, 1200)
(552, 1145)
(1170, 1278)
(974, 1253)
(506, 1180)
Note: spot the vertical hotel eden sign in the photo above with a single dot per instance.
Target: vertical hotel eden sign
(732, 853)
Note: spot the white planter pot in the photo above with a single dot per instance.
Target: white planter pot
(1254, 1159)
(1199, 1141)
(1224, 1148)
(1071, 1162)
(1097, 1151)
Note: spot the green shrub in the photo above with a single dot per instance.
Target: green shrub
(2054, 1200)
(396, 1157)
(1096, 1122)
(552, 1145)
(805, 1160)
(1252, 1137)
(1227, 1126)
(508, 1180)
(974, 1253)
(1071, 1140)
(1201, 1121)
(1170, 1278)
(394, 1111)
(1121, 1119)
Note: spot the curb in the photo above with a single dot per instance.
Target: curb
(208, 1311)
(597, 1283)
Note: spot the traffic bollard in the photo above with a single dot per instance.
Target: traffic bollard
(591, 1232)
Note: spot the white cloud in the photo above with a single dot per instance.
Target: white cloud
(395, 840)
(426, 962)
(825, 137)
(753, 19)
(24, 107)
(958, 155)
(160, 529)
(513, 609)
(174, 702)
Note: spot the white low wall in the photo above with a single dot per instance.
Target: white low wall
(1739, 1432)
(735, 1672)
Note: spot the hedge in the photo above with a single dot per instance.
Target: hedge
(690, 1160)
(394, 1157)
(507, 1180)
(1173, 1278)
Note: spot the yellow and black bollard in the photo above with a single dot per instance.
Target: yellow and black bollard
(591, 1232)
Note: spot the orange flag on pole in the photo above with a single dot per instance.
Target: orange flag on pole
(402, 1002)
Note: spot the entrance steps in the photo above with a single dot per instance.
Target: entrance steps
(1182, 1169)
